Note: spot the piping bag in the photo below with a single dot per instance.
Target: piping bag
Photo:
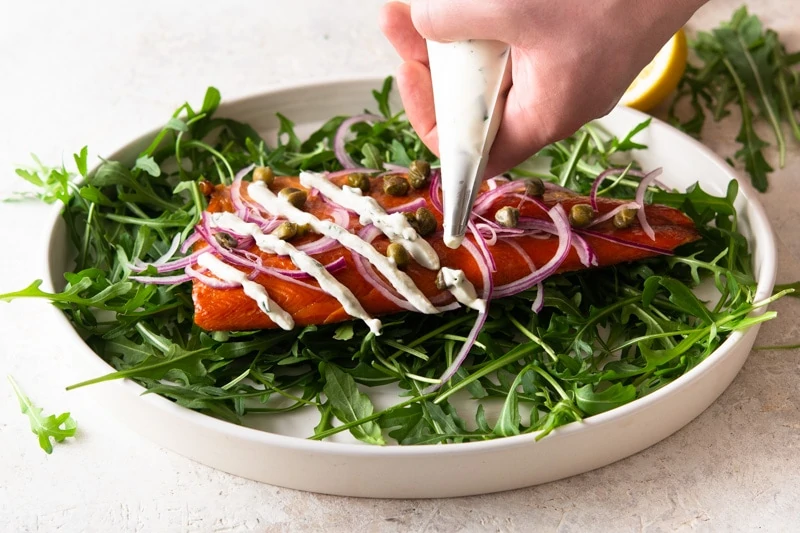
(470, 85)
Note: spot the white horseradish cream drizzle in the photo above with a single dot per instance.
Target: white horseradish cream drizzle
(225, 272)
(462, 289)
(303, 261)
(401, 281)
(394, 226)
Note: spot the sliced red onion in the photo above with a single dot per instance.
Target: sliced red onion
(617, 240)
(183, 262)
(613, 212)
(339, 216)
(234, 258)
(339, 139)
(236, 191)
(395, 168)
(482, 246)
(410, 206)
(163, 280)
(332, 267)
(173, 247)
(495, 181)
(585, 253)
(214, 283)
(603, 175)
(486, 199)
(538, 302)
(488, 288)
(349, 170)
(645, 183)
(436, 189)
(368, 234)
(193, 238)
(561, 223)
(483, 227)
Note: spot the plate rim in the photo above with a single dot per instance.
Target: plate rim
(765, 283)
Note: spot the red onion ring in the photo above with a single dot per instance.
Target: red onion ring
(236, 191)
(193, 238)
(436, 190)
(173, 247)
(214, 283)
(613, 212)
(350, 170)
(368, 234)
(482, 246)
(488, 287)
(603, 175)
(645, 183)
(164, 280)
(561, 223)
(538, 302)
(410, 206)
(617, 240)
(339, 139)
(169, 266)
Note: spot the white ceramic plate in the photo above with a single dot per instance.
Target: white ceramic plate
(281, 456)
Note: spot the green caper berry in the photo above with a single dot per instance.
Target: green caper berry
(625, 218)
(303, 230)
(581, 215)
(285, 231)
(507, 216)
(440, 283)
(418, 173)
(264, 175)
(395, 186)
(358, 181)
(426, 222)
(534, 187)
(226, 240)
(397, 254)
(296, 197)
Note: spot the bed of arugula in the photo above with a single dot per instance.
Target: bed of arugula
(605, 337)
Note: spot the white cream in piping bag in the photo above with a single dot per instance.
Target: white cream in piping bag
(470, 80)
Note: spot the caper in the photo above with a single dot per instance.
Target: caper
(397, 254)
(507, 216)
(358, 181)
(418, 173)
(296, 197)
(534, 187)
(264, 175)
(440, 282)
(285, 231)
(395, 186)
(426, 222)
(625, 218)
(304, 229)
(206, 187)
(226, 240)
(581, 215)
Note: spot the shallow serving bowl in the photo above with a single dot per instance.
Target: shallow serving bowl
(281, 456)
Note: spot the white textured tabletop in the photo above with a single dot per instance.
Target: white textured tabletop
(100, 73)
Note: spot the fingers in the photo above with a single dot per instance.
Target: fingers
(395, 23)
(456, 20)
(416, 90)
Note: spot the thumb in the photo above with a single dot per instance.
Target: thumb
(459, 20)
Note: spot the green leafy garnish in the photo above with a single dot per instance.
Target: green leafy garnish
(742, 64)
(44, 427)
(604, 338)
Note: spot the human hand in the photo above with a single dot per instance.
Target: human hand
(571, 60)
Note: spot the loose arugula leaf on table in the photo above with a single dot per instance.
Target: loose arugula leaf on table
(46, 427)
(741, 62)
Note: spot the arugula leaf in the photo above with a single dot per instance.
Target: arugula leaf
(49, 427)
(592, 402)
(348, 404)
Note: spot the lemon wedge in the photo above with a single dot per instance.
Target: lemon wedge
(660, 77)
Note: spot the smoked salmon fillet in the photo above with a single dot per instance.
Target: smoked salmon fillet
(219, 309)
